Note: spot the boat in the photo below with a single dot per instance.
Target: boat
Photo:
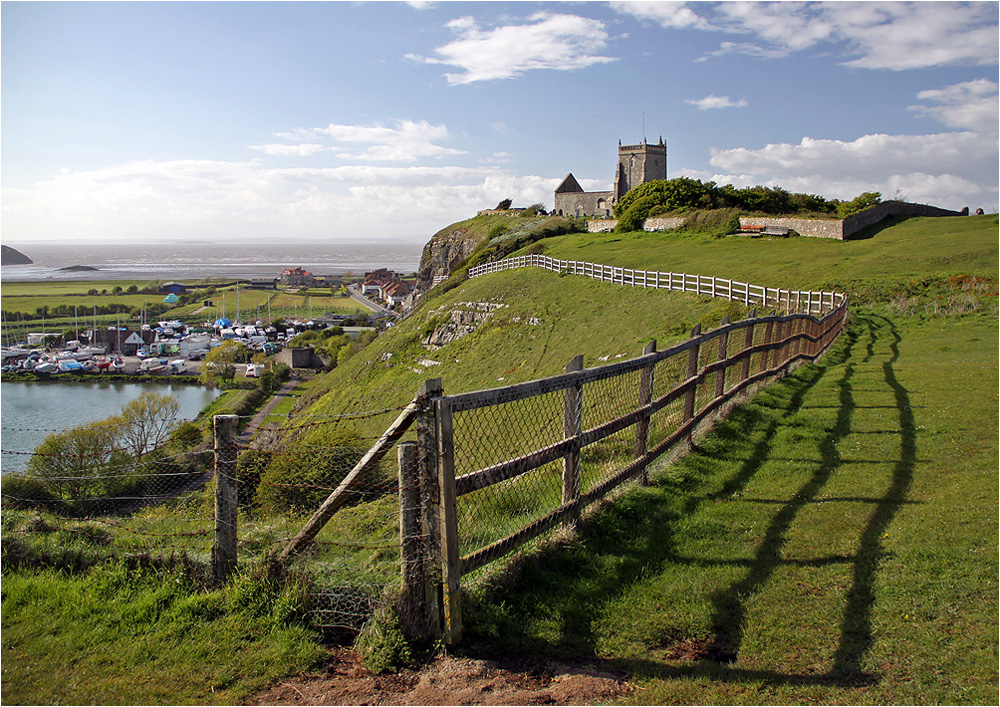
(118, 364)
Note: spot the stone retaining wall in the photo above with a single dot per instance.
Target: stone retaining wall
(812, 228)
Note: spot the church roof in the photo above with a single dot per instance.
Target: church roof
(569, 184)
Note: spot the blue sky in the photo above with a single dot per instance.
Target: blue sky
(334, 120)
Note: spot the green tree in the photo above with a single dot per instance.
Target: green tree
(220, 363)
(147, 422)
(79, 462)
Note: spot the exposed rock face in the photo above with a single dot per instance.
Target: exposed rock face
(443, 253)
(460, 322)
(10, 256)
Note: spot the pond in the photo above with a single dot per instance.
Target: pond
(30, 411)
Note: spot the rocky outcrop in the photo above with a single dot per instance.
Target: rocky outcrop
(444, 252)
(464, 319)
(10, 256)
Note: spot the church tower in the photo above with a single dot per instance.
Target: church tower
(638, 164)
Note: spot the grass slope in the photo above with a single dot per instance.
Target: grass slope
(833, 541)
(898, 251)
(542, 322)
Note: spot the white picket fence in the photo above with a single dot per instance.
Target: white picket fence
(804, 301)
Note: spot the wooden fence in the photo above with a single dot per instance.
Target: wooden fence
(808, 301)
(495, 469)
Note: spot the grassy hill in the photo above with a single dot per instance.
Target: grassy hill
(833, 541)
(543, 320)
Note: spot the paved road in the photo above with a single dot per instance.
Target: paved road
(362, 300)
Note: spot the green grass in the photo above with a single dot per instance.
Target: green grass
(122, 634)
(911, 249)
(833, 541)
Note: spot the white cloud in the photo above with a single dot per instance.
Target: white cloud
(281, 150)
(872, 35)
(547, 41)
(406, 142)
(901, 36)
(971, 105)
(713, 101)
(152, 200)
(745, 49)
(964, 164)
(675, 15)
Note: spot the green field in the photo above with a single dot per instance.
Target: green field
(833, 541)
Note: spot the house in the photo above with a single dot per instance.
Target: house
(375, 280)
(394, 293)
(174, 288)
(123, 342)
(296, 277)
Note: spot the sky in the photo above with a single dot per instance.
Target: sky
(219, 121)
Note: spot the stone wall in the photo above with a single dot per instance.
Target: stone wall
(663, 223)
(811, 228)
(869, 217)
(602, 225)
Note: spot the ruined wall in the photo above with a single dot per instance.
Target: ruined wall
(811, 228)
(869, 217)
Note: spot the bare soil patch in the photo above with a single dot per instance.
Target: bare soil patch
(449, 681)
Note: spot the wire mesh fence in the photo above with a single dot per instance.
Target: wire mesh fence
(452, 484)
(527, 459)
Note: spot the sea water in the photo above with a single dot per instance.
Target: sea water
(183, 261)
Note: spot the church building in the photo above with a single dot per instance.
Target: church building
(637, 164)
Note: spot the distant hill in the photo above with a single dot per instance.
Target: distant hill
(14, 257)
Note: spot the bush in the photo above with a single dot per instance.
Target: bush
(859, 203)
(299, 478)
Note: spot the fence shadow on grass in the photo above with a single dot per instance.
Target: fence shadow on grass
(635, 535)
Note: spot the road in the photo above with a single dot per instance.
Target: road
(364, 301)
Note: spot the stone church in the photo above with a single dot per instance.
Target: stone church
(637, 164)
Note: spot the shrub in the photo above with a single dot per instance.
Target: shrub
(859, 203)
(299, 478)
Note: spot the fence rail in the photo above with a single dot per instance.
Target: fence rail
(517, 462)
(490, 471)
(806, 301)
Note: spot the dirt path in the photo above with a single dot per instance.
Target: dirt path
(448, 681)
(255, 423)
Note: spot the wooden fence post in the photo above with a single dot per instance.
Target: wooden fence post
(224, 549)
(411, 609)
(572, 427)
(645, 398)
(430, 502)
(692, 371)
(451, 564)
(720, 374)
(765, 355)
(747, 345)
(779, 332)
